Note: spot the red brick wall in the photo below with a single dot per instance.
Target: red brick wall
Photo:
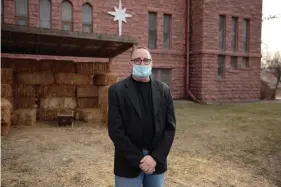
(136, 26)
(239, 85)
(242, 84)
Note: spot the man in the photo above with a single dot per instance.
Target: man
(141, 125)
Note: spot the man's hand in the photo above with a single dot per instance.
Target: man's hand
(148, 164)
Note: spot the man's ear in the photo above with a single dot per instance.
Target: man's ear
(130, 65)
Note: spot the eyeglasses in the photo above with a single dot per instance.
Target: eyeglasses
(138, 61)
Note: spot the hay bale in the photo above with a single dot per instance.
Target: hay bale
(25, 102)
(78, 114)
(88, 102)
(105, 116)
(7, 76)
(104, 79)
(5, 128)
(85, 68)
(51, 114)
(11, 100)
(57, 90)
(6, 90)
(47, 114)
(57, 66)
(103, 97)
(51, 90)
(58, 102)
(7, 63)
(33, 65)
(72, 79)
(88, 91)
(35, 78)
(87, 115)
(90, 68)
(101, 67)
(6, 109)
(26, 65)
(24, 90)
(24, 117)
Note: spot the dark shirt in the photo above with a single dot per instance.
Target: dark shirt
(145, 100)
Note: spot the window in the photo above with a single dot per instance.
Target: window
(222, 33)
(246, 35)
(45, 14)
(234, 33)
(245, 62)
(152, 31)
(167, 31)
(221, 61)
(233, 63)
(21, 12)
(66, 16)
(163, 75)
(87, 18)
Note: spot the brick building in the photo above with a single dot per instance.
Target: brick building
(208, 49)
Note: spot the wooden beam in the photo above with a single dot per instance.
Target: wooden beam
(69, 34)
(29, 40)
(37, 44)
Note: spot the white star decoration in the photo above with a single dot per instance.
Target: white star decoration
(120, 15)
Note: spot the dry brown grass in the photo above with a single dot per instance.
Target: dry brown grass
(216, 145)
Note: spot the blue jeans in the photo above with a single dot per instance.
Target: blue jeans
(143, 180)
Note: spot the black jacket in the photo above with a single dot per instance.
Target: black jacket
(125, 130)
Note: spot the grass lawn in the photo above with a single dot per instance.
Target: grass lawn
(229, 145)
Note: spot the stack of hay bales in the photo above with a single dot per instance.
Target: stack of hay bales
(6, 111)
(6, 99)
(27, 90)
(87, 100)
(104, 80)
(61, 96)
(7, 80)
(92, 99)
(45, 88)
(36, 94)
(25, 117)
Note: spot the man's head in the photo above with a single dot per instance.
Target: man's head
(141, 63)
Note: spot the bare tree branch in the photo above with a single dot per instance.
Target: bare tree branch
(271, 17)
(273, 65)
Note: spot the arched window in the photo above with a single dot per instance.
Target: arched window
(21, 12)
(45, 14)
(66, 16)
(87, 18)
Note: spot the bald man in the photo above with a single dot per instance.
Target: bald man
(141, 125)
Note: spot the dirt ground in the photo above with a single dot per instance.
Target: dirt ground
(229, 145)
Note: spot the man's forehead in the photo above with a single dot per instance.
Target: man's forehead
(141, 53)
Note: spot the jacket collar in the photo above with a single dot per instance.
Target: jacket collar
(133, 95)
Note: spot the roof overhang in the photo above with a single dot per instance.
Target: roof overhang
(39, 41)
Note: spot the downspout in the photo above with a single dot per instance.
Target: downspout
(187, 43)
(187, 27)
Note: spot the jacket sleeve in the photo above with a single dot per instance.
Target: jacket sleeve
(160, 153)
(117, 133)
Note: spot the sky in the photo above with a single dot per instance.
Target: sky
(271, 29)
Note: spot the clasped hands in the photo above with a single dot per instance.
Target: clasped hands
(147, 164)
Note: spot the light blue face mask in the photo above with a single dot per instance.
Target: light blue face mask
(141, 71)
